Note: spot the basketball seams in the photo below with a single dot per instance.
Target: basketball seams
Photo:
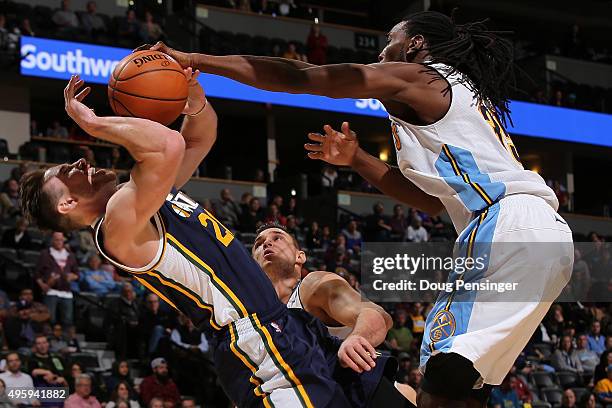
(124, 107)
(146, 97)
(146, 72)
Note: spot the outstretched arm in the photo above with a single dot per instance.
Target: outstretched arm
(333, 295)
(342, 149)
(384, 80)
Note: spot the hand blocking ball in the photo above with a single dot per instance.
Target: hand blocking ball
(150, 85)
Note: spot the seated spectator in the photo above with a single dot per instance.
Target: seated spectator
(377, 225)
(65, 19)
(82, 397)
(353, 237)
(57, 130)
(504, 396)
(187, 337)
(293, 229)
(124, 333)
(9, 200)
(589, 359)
(155, 323)
(244, 5)
(417, 319)
(39, 312)
(568, 400)
(326, 240)
(291, 209)
(604, 361)
(245, 198)
(405, 365)
(555, 323)
(129, 28)
(562, 196)
(150, 31)
(46, 369)
(13, 377)
(565, 357)
(18, 237)
(400, 337)
(328, 175)
(274, 215)
(581, 277)
(159, 384)
(188, 402)
(57, 268)
(317, 46)
(415, 377)
(25, 28)
(156, 403)
(398, 223)
(97, 280)
(75, 371)
(93, 24)
(293, 54)
(253, 218)
(121, 393)
(313, 237)
(120, 373)
(415, 231)
(226, 210)
(20, 330)
(5, 305)
(57, 341)
(595, 339)
(603, 388)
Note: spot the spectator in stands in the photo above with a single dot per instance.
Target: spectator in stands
(121, 393)
(188, 402)
(190, 348)
(245, 198)
(565, 357)
(57, 268)
(415, 377)
(4, 34)
(504, 395)
(562, 196)
(75, 371)
(555, 324)
(82, 397)
(57, 341)
(313, 237)
(120, 373)
(254, 217)
(18, 237)
(398, 223)
(417, 319)
(558, 98)
(400, 337)
(274, 215)
(603, 388)
(25, 28)
(604, 361)
(9, 200)
(589, 401)
(39, 312)
(568, 400)
(377, 225)
(123, 322)
(227, 211)
(47, 370)
(5, 304)
(581, 277)
(156, 403)
(244, 5)
(150, 31)
(575, 46)
(416, 232)
(97, 280)
(353, 237)
(57, 130)
(65, 19)
(159, 384)
(129, 28)
(326, 240)
(596, 339)
(155, 323)
(588, 359)
(93, 24)
(317, 46)
(20, 330)
(13, 377)
(293, 229)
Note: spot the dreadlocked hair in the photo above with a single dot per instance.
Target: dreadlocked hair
(484, 57)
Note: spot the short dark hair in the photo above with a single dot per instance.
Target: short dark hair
(280, 226)
(39, 206)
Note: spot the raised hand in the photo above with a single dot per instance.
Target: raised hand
(73, 102)
(333, 147)
(183, 58)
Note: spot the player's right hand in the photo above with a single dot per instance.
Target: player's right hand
(357, 354)
(333, 147)
(73, 101)
(183, 58)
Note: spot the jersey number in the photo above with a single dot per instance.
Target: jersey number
(500, 132)
(183, 205)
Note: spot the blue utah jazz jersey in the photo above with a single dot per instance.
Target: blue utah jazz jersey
(200, 268)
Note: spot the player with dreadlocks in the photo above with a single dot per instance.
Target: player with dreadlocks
(445, 87)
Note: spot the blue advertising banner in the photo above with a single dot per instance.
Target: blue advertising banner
(94, 63)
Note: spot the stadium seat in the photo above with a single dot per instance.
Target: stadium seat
(567, 379)
(580, 393)
(543, 379)
(30, 257)
(552, 395)
(86, 360)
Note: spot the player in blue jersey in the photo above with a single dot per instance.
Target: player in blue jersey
(264, 354)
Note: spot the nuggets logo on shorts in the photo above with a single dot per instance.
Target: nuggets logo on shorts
(443, 326)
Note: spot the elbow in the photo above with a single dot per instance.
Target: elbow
(173, 146)
(388, 321)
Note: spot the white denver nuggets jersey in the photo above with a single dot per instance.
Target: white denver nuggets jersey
(295, 302)
(466, 159)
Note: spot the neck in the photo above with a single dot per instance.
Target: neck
(284, 287)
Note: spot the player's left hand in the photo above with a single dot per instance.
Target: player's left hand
(196, 100)
(73, 101)
(357, 354)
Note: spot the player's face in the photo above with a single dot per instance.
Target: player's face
(275, 251)
(394, 51)
(81, 179)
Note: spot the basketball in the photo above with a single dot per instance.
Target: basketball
(150, 85)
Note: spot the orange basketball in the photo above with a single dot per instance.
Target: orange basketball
(148, 84)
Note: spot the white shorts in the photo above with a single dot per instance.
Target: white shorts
(525, 242)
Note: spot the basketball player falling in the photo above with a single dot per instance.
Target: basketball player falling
(445, 87)
(265, 355)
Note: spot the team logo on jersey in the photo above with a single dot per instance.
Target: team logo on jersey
(181, 209)
(443, 326)
(181, 204)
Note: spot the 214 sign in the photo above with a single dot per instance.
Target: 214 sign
(366, 41)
